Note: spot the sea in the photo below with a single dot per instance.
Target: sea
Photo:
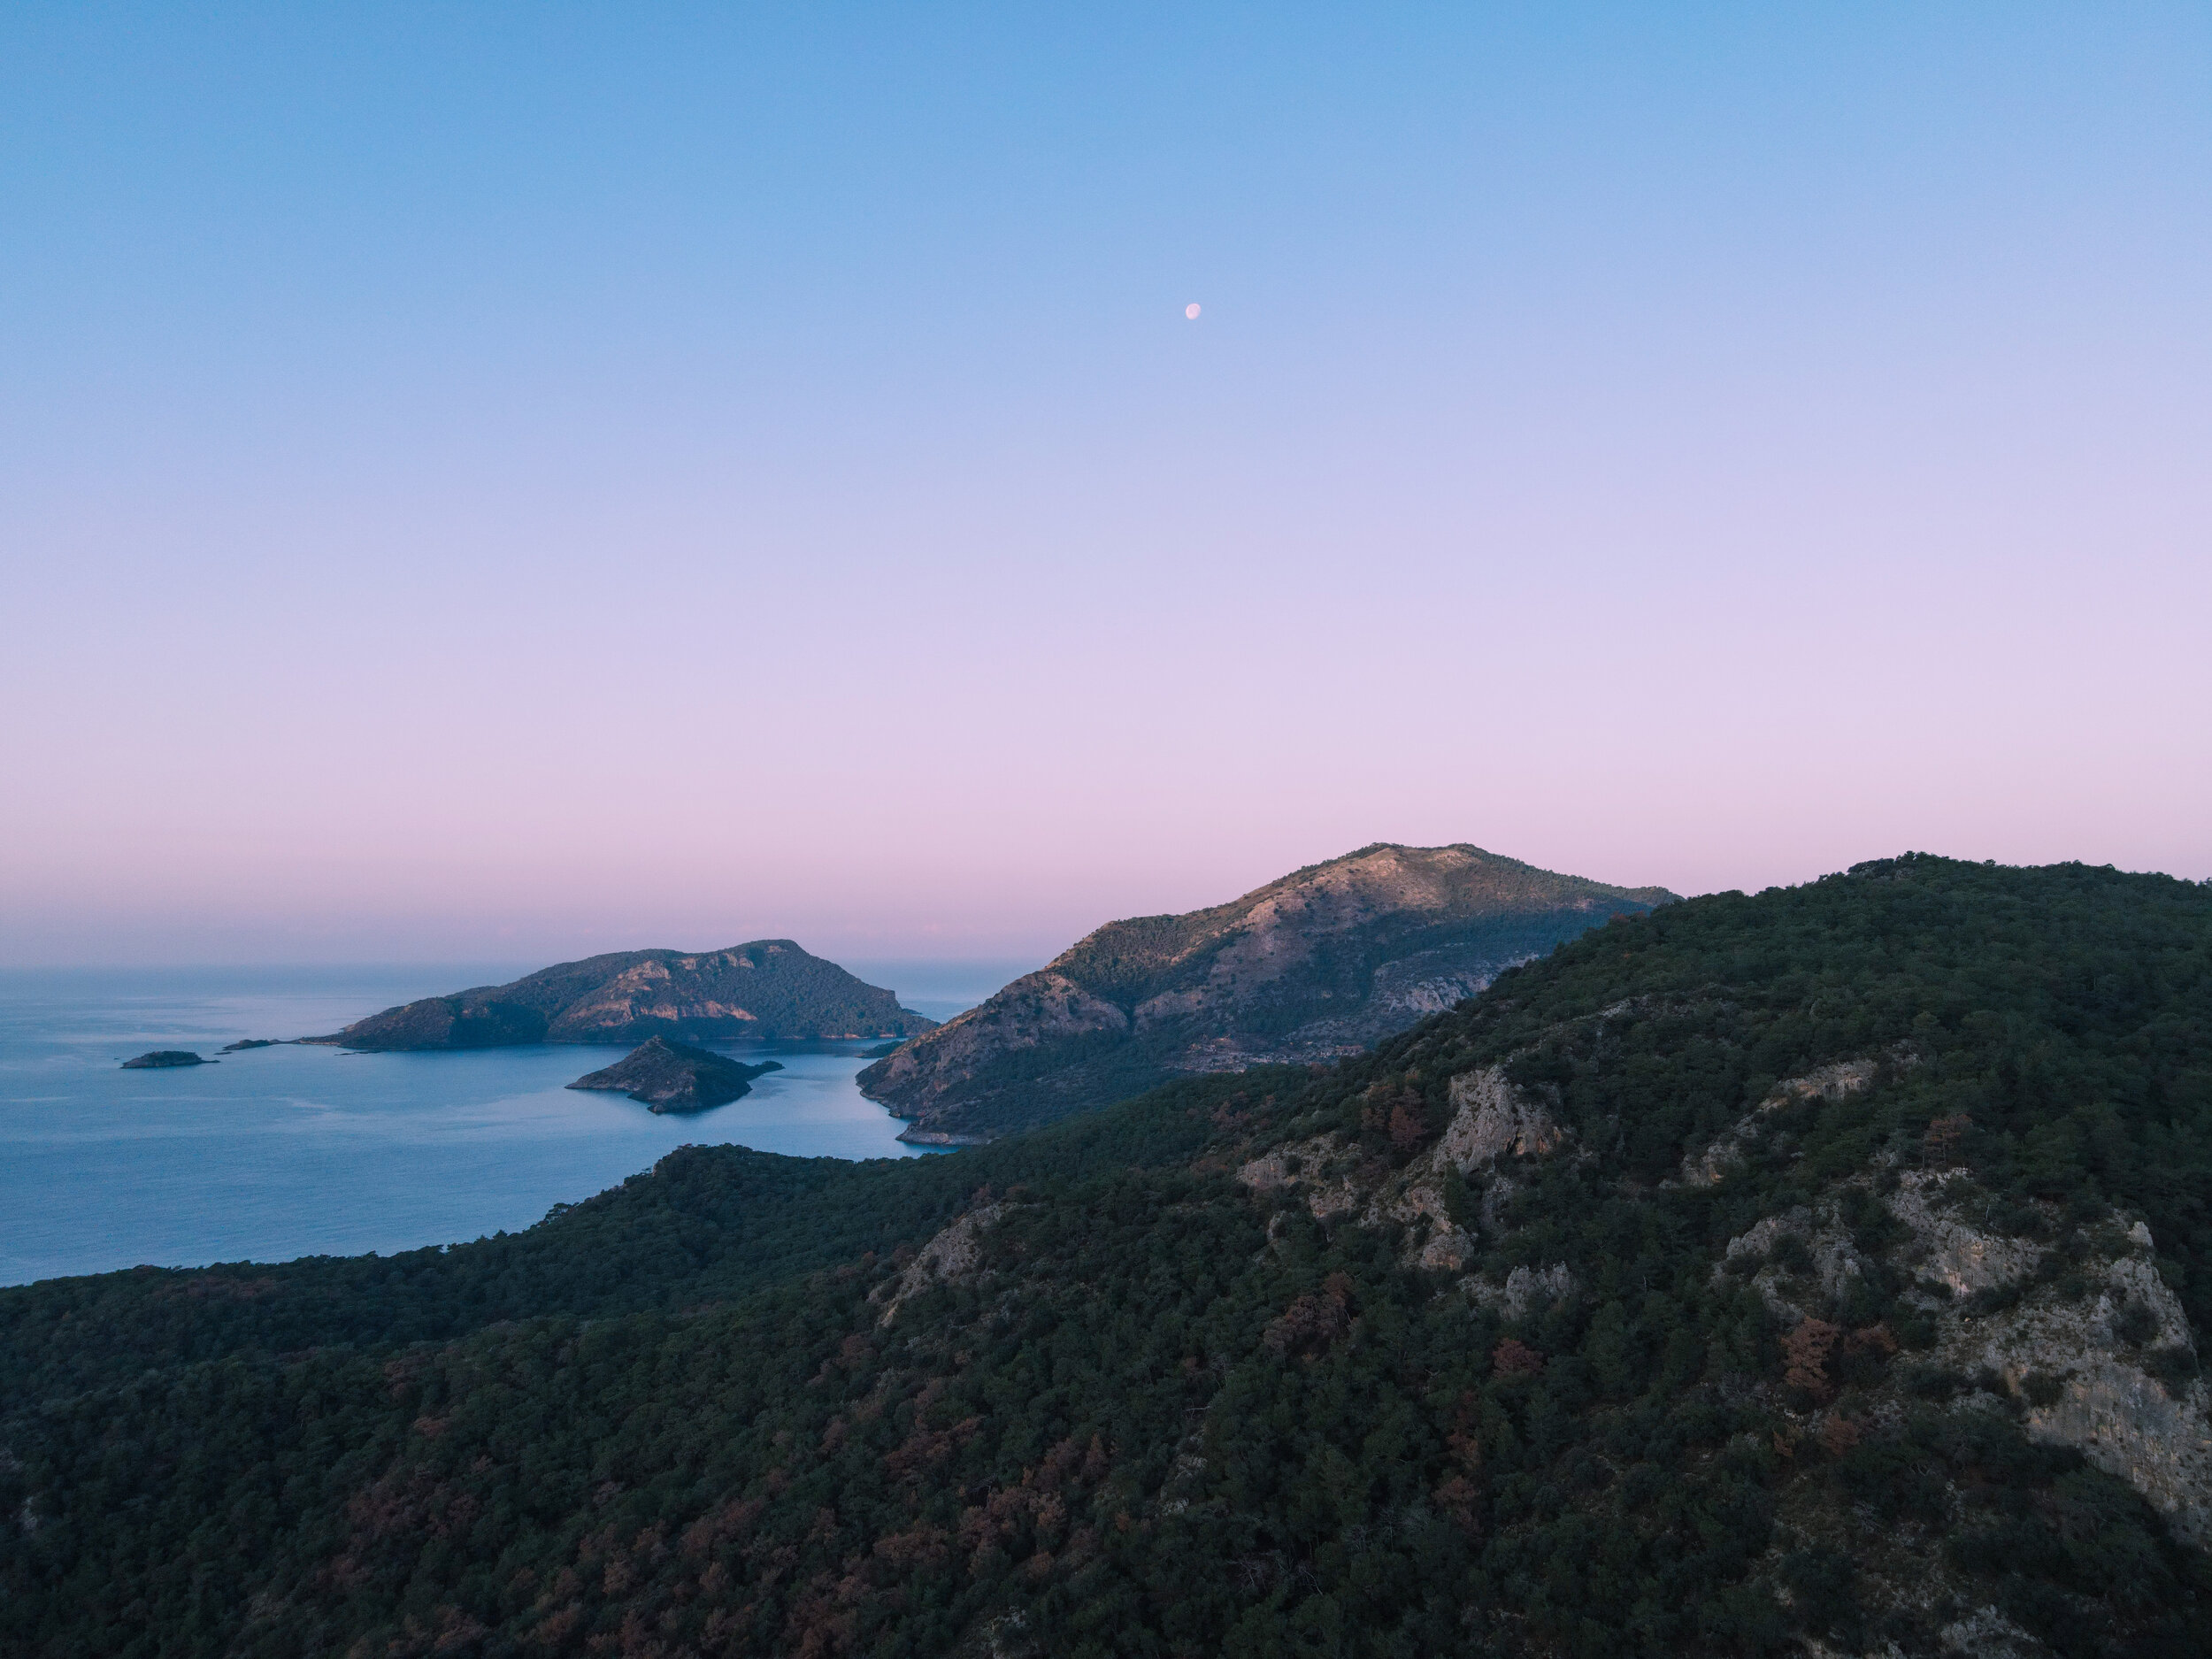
(293, 1150)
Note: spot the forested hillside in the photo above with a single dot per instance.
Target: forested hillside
(1817, 1269)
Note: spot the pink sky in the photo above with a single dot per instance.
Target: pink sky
(1700, 467)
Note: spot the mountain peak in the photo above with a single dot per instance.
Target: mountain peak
(1311, 966)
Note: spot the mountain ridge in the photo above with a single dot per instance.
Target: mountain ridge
(1308, 968)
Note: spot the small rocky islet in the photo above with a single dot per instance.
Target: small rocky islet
(673, 1077)
(161, 1059)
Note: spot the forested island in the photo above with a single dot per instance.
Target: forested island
(768, 991)
(163, 1059)
(673, 1077)
(1816, 1272)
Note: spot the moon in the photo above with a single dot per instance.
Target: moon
(1191, 311)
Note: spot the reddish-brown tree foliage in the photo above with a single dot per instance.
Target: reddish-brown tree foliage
(1312, 1323)
(1944, 1137)
(1515, 1359)
(1805, 1353)
(1407, 1128)
(1872, 1339)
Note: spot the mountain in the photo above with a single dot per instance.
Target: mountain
(1816, 1272)
(767, 991)
(1322, 963)
(672, 1077)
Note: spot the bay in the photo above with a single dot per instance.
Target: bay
(289, 1151)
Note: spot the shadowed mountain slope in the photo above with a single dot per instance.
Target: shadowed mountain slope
(765, 992)
(1322, 963)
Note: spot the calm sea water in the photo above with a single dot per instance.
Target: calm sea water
(298, 1151)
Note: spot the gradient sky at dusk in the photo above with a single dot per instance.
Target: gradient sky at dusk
(515, 482)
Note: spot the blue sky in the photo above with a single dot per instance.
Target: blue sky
(508, 479)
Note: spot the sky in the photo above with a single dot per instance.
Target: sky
(514, 482)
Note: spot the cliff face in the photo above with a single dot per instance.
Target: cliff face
(767, 991)
(1319, 965)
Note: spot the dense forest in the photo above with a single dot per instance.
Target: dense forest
(1733, 1280)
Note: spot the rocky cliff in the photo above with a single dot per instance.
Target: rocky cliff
(1319, 965)
(2022, 1312)
(765, 992)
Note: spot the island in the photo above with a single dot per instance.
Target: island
(164, 1057)
(768, 991)
(673, 1077)
(245, 1043)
